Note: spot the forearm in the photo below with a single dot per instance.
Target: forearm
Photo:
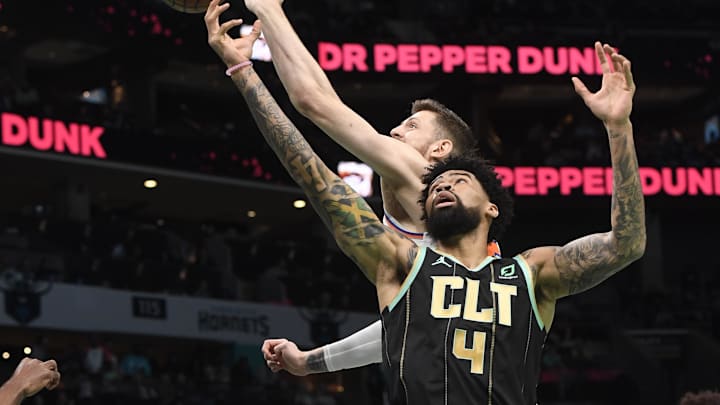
(355, 226)
(299, 72)
(315, 361)
(585, 262)
(312, 94)
(628, 207)
(359, 349)
(11, 393)
(294, 152)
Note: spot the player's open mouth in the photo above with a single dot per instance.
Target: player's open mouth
(444, 199)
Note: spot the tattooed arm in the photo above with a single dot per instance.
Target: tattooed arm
(378, 251)
(587, 261)
(382, 254)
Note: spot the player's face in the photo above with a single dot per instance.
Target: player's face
(418, 131)
(456, 204)
(453, 186)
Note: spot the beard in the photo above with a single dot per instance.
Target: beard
(450, 222)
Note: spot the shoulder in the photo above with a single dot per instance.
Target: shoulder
(537, 257)
(538, 261)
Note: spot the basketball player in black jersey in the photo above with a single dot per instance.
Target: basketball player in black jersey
(460, 326)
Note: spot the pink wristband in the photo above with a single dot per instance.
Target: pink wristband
(234, 68)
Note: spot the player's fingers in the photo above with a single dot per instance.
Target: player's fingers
(54, 381)
(276, 342)
(627, 71)
(617, 61)
(268, 349)
(228, 25)
(210, 10)
(609, 51)
(274, 366)
(22, 364)
(269, 356)
(270, 344)
(266, 346)
(601, 56)
(580, 88)
(211, 6)
(212, 15)
(256, 29)
(51, 364)
(280, 348)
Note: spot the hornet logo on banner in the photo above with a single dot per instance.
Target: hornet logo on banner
(324, 324)
(22, 295)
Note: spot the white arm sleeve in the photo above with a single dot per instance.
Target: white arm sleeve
(359, 349)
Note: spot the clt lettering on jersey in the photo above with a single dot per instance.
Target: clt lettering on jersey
(469, 310)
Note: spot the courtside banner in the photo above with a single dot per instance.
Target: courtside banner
(94, 309)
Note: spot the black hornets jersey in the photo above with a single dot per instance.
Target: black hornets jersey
(455, 335)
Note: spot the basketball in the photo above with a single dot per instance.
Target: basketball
(188, 6)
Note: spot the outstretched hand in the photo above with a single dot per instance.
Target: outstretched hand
(613, 102)
(231, 50)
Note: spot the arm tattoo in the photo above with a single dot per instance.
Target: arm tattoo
(628, 207)
(316, 362)
(343, 211)
(585, 262)
(588, 261)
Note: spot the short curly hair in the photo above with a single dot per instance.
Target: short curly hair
(486, 175)
(450, 124)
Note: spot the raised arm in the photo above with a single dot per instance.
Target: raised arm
(356, 228)
(313, 96)
(587, 261)
(374, 248)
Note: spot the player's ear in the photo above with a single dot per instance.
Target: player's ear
(441, 149)
(493, 211)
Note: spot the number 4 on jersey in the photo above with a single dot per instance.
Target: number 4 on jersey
(475, 353)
